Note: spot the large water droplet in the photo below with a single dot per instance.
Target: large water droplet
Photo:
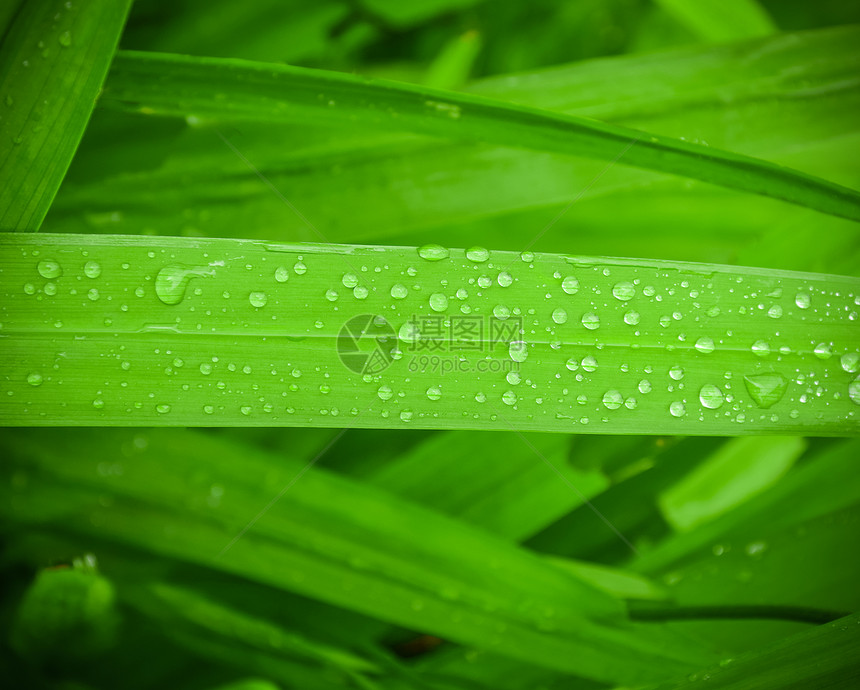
(644, 386)
(849, 362)
(433, 252)
(399, 291)
(477, 254)
(823, 351)
(406, 416)
(509, 398)
(613, 399)
(299, 268)
(501, 312)
(589, 363)
(677, 409)
(438, 302)
(49, 269)
(676, 373)
(518, 350)
(705, 344)
(624, 291)
(282, 275)
(34, 379)
(711, 397)
(434, 393)
(591, 321)
(766, 389)
(259, 299)
(854, 391)
(504, 279)
(802, 300)
(360, 292)
(559, 315)
(171, 281)
(570, 285)
(631, 318)
(760, 348)
(775, 311)
(92, 269)
(349, 280)
(384, 392)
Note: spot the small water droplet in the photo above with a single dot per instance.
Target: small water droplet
(434, 393)
(49, 269)
(245, 410)
(299, 268)
(854, 391)
(92, 269)
(93, 294)
(258, 299)
(504, 279)
(509, 398)
(477, 254)
(331, 295)
(501, 312)
(589, 363)
(849, 362)
(480, 397)
(162, 409)
(518, 350)
(760, 348)
(711, 397)
(631, 318)
(644, 386)
(559, 315)
(433, 252)
(65, 39)
(360, 292)
(205, 368)
(624, 291)
(823, 351)
(572, 364)
(527, 256)
(349, 280)
(399, 291)
(384, 392)
(34, 379)
(282, 275)
(676, 373)
(775, 311)
(406, 415)
(801, 299)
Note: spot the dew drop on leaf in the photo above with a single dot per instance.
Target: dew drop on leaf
(631, 318)
(433, 252)
(299, 268)
(677, 409)
(258, 299)
(624, 291)
(823, 351)
(509, 398)
(504, 279)
(589, 363)
(801, 299)
(760, 348)
(766, 389)
(49, 269)
(92, 269)
(438, 302)
(282, 275)
(477, 254)
(854, 391)
(501, 312)
(849, 362)
(676, 373)
(570, 285)
(406, 416)
(704, 344)
(711, 397)
(591, 321)
(434, 393)
(349, 280)
(612, 399)
(518, 350)
(399, 291)
(34, 379)
(559, 315)
(172, 281)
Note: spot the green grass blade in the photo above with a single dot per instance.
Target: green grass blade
(226, 90)
(53, 62)
(825, 657)
(328, 538)
(721, 20)
(229, 332)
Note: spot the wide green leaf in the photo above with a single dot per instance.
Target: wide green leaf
(176, 332)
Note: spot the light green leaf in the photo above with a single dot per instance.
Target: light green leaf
(202, 332)
(721, 20)
(53, 61)
(247, 91)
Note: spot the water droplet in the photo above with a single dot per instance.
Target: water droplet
(205, 368)
(50, 289)
(245, 410)
(766, 389)
(504, 279)
(282, 275)
(349, 280)
(705, 344)
(570, 285)
(171, 282)
(527, 256)
(624, 291)
(509, 398)
(92, 269)
(849, 362)
(399, 291)
(501, 312)
(775, 311)
(711, 397)
(162, 409)
(477, 254)
(484, 282)
(854, 391)
(589, 363)
(258, 299)
(98, 403)
(93, 294)
(438, 302)
(676, 373)
(360, 292)
(559, 315)
(208, 409)
(433, 252)
(801, 299)
(631, 318)
(760, 348)
(612, 399)
(384, 392)
(677, 409)
(434, 393)
(299, 268)
(823, 351)
(34, 379)
(572, 364)
(406, 415)
(480, 397)
(65, 39)
(518, 350)
(591, 321)
(644, 386)
(49, 269)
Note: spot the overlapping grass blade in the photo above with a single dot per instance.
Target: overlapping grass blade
(53, 62)
(328, 538)
(234, 90)
(175, 332)
(721, 20)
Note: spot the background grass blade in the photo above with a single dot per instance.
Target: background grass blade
(53, 62)
(721, 21)
(238, 90)
(210, 333)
